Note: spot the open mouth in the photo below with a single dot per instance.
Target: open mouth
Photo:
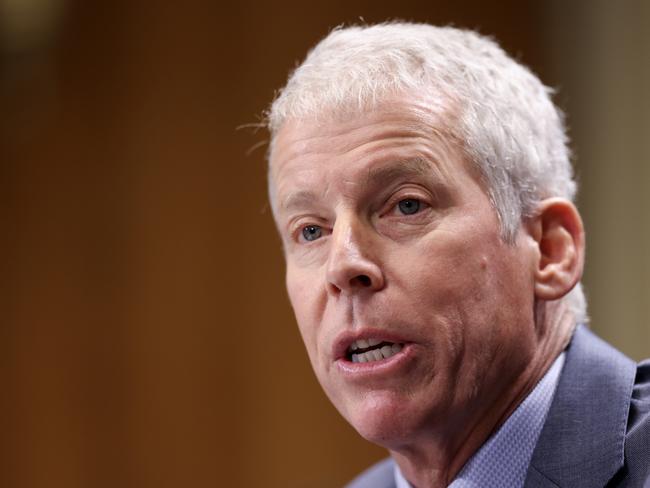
(365, 351)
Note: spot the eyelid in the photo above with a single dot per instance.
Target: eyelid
(407, 194)
(297, 225)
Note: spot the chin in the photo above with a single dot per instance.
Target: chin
(384, 419)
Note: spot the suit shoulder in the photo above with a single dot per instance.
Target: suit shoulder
(639, 416)
(380, 475)
(637, 442)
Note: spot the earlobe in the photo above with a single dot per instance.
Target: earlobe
(559, 234)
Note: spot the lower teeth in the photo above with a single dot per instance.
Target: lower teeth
(377, 354)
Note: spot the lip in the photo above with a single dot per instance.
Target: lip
(377, 370)
(373, 370)
(345, 339)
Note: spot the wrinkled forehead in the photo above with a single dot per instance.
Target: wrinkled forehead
(398, 116)
(428, 105)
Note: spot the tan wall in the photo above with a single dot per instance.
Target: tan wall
(146, 339)
(601, 60)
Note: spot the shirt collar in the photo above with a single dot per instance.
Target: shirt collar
(504, 458)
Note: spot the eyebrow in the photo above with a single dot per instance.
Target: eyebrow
(377, 177)
(383, 175)
(298, 199)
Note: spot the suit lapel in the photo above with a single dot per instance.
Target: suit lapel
(582, 442)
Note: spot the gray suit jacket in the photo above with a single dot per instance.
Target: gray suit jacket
(597, 432)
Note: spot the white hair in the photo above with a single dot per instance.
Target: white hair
(509, 127)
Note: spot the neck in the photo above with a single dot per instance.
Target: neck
(436, 458)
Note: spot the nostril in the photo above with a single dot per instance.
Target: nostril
(364, 280)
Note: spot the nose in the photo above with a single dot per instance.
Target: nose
(351, 267)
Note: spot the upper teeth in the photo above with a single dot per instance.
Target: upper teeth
(363, 343)
(377, 354)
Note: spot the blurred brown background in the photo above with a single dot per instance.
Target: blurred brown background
(145, 336)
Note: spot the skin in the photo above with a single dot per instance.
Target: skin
(478, 316)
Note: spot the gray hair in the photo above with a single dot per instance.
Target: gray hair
(509, 127)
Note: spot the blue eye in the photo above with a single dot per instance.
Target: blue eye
(312, 232)
(409, 206)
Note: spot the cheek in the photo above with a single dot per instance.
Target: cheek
(299, 298)
(304, 297)
(453, 275)
(466, 286)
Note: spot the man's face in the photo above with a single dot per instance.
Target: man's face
(416, 315)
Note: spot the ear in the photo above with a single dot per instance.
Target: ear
(559, 236)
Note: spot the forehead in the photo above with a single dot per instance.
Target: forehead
(412, 131)
(404, 111)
